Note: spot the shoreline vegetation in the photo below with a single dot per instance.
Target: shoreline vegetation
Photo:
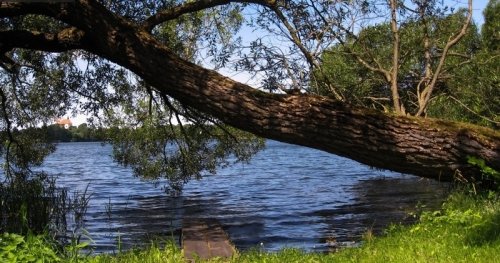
(80, 133)
(465, 229)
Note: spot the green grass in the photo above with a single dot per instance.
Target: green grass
(466, 229)
(168, 253)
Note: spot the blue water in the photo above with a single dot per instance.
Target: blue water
(287, 196)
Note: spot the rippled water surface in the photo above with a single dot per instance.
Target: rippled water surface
(287, 196)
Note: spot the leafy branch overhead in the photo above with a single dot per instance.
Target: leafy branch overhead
(141, 68)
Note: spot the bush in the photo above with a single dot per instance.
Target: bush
(30, 248)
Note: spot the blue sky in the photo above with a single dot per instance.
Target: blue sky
(477, 10)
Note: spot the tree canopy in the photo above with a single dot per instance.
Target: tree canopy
(141, 67)
(466, 90)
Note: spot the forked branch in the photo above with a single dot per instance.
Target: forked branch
(425, 96)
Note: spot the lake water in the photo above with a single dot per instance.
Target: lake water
(287, 196)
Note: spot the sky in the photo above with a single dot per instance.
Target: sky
(477, 10)
(477, 14)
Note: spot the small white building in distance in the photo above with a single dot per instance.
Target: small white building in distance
(66, 123)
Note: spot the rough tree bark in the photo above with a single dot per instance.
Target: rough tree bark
(426, 147)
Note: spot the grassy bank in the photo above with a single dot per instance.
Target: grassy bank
(466, 229)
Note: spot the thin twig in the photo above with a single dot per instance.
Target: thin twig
(472, 111)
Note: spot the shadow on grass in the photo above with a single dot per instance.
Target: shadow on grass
(488, 232)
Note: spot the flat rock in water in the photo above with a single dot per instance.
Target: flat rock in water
(203, 239)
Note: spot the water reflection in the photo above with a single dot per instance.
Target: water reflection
(288, 196)
(135, 221)
(378, 203)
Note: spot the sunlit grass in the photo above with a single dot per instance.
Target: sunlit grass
(155, 253)
(467, 229)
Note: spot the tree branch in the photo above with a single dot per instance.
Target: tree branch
(13, 9)
(398, 106)
(295, 37)
(191, 7)
(427, 92)
(64, 40)
(472, 111)
(377, 69)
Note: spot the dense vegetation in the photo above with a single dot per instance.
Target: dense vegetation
(467, 90)
(82, 133)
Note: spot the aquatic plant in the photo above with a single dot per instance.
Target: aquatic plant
(32, 203)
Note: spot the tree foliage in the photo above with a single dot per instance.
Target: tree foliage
(401, 63)
(467, 89)
(491, 26)
(38, 87)
(138, 67)
(82, 133)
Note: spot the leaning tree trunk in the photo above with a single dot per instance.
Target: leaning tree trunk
(425, 147)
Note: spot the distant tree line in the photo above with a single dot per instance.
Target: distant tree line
(80, 133)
